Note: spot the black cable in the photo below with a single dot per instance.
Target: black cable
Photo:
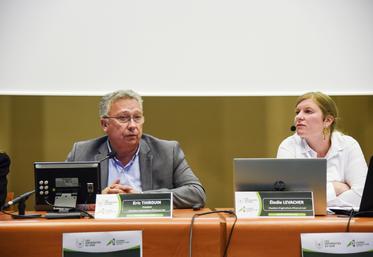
(206, 213)
(17, 216)
(8, 213)
(356, 214)
(87, 214)
(351, 214)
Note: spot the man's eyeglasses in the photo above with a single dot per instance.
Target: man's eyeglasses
(138, 119)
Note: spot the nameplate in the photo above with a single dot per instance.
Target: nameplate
(274, 204)
(337, 244)
(133, 205)
(111, 243)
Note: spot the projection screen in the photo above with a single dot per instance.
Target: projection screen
(186, 48)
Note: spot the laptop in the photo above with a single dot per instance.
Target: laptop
(366, 204)
(271, 174)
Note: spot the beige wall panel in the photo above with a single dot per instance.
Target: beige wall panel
(66, 120)
(27, 139)
(5, 128)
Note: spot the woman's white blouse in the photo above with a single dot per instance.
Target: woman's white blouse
(345, 163)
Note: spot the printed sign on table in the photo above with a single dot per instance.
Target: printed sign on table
(104, 244)
(337, 244)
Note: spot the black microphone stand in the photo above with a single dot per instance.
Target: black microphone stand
(22, 211)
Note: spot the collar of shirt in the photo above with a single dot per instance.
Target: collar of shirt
(129, 164)
(307, 150)
(335, 147)
(118, 163)
(337, 144)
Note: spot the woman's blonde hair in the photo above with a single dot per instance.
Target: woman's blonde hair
(325, 103)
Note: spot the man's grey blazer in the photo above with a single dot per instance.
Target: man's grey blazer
(163, 168)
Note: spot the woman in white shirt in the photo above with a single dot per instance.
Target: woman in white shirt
(315, 120)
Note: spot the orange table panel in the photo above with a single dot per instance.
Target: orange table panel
(268, 237)
(161, 236)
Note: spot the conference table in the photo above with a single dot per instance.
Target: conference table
(257, 237)
(161, 236)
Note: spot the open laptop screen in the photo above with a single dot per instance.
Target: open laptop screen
(367, 197)
(269, 174)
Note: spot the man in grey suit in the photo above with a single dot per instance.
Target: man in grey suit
(142, 163)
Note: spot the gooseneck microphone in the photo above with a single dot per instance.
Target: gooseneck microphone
(18, 199)
(110, 155)
(293, 128)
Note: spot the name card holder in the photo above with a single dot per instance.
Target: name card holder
(274, 204)
(134, 206)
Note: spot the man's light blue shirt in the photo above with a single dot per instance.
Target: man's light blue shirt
(128, 174)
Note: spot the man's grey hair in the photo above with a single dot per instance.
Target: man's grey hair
(108, 99)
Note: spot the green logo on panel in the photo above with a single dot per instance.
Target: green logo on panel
(111, 242)
(351, 243)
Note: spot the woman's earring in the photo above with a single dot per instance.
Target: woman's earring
(325, 132)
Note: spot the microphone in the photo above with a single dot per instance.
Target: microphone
(293, 128)
(108, 156)
(18, 199)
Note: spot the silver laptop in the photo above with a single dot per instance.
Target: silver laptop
(269, 174)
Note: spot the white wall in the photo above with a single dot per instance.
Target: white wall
(186, 47)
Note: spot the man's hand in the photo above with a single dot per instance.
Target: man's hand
(117, 188)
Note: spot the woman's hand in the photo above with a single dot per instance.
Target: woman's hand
(340, 187)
